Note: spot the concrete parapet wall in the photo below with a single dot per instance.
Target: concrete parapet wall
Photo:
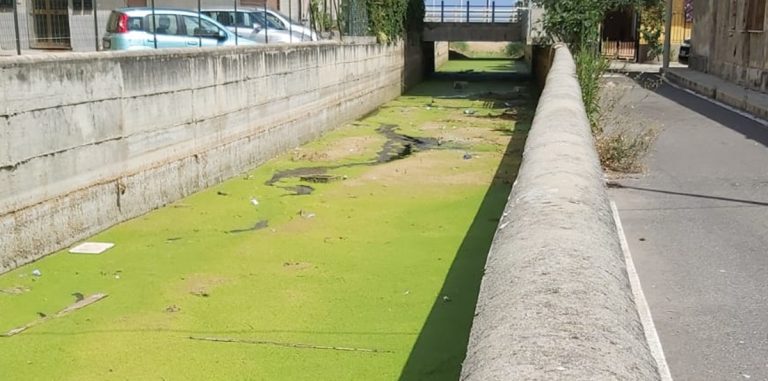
(555, 301)
(91, 139)
(475, 31)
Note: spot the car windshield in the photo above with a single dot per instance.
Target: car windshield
(291, 20)
(259, 17)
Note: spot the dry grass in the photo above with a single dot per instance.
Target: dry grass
(624, 150)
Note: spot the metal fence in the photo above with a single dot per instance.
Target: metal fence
(461, 11)
(28, 27)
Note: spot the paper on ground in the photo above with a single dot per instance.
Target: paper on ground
(91, 248)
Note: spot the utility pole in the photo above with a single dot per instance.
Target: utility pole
(667, 35)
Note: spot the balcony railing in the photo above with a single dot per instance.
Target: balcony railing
(459, 11)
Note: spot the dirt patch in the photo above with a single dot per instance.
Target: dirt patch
(430, 167)
(449, 133)
(338, 150)
(297, 266)
(203, 284)
(16, 290)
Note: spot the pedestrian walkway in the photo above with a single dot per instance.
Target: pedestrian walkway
(697, 226)
(729, 93)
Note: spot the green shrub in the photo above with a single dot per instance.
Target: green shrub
(514, 50)
(589, 68)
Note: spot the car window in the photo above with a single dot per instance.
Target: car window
(193, 28)
(243, 20)
(290, 19)
(224, 18)
(276, 21)
(166, 24)
(135, 23)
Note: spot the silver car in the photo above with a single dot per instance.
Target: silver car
(256, 26)
(284, 22)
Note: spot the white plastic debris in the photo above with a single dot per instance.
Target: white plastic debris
(36, 272)
(254, 201)
(91, 248)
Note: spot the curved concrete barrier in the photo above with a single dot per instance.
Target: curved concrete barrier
(555, 302)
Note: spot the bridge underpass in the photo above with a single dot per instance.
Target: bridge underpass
(471, 22)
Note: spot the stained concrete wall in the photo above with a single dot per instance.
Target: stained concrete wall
(441, 53)
(91, 139)
(555, 301)
(722, 45)
(461, 31)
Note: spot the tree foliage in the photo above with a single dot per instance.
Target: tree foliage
(652, 27)
(577, 22)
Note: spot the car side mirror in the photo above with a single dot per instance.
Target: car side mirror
(221, 36)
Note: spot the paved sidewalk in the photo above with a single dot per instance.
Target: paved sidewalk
(741, 98)
(697, 226)
(632, 67)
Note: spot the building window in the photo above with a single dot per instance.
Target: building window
(82, 5)
(6, 5)
(755, 15)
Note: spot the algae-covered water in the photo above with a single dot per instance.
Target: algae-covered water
(355, 257)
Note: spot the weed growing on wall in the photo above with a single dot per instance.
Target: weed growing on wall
(589, 68)
(389, 20)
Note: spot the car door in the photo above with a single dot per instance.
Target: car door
(168, 32)
(201, 32)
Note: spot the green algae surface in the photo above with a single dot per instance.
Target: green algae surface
(366, 269)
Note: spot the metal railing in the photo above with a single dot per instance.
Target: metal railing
(30, 27)
(464, 11)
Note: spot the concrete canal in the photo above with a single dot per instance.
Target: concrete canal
(355, 257)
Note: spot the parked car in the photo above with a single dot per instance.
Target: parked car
(685, 51)
(284, 22)
(134, 29)
(247, 25)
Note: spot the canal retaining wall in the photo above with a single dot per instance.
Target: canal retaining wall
(88, 140)
(555, 301)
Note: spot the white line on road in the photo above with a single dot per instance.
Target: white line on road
(642, 305)
(717, 102)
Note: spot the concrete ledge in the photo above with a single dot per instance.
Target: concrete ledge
(731, 94)
(472, 31)
(555, 302)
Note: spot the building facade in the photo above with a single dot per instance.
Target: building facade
(69, 24)
(730, 41)
(621, 37)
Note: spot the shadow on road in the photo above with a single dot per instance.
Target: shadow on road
(442, 343)
(741, 201)
(751, 129)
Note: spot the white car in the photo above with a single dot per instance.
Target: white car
(247, 26)
(278, 20)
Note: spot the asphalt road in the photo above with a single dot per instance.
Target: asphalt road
(697, 227)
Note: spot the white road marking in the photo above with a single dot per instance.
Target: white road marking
(717, 102)
(642, 305)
